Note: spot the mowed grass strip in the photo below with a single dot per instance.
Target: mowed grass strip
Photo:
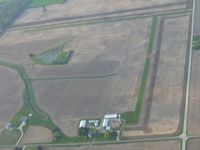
(133, 116)
(40, 3)
(196, 42)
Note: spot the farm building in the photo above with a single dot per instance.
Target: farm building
(105, 123)
(82, 124)
(111, 116)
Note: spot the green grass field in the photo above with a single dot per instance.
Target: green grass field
(3, 1)
(196, 42)
(54, 56)
(40, 3)
(133, 117)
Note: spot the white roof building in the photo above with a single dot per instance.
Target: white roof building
(105, 123)
(82, 124)
(111, 116)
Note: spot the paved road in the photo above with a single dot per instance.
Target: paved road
(184, 136)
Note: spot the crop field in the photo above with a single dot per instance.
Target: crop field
(11, 91)
(95, 69)
(167, 145)
(104, 58)
(194, 105)
(95, 84)
(167, 96)
(193, 144)
(82, 98)
(107, 33)
(36, 134)
(118, 65)
(91, 7)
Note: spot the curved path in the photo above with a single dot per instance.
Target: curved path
(22, 132)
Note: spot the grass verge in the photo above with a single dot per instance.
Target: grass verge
(40, 3)
(196, 42)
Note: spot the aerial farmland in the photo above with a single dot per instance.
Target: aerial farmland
(99, 74)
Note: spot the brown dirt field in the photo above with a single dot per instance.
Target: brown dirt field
(113, 94)
(194, 104)
(88, 42)
(193, 144)
(94, 68)
(94, 44)
(66, 101)
(86, 7)
(95, 48)
(166, 145)
(36, 134)
(11, 91)
(167, 96)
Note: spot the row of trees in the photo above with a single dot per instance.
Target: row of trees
(9, 10)
(35, 148)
